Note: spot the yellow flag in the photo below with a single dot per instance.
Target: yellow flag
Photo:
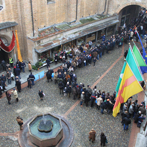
(129, 86)
(18, 48)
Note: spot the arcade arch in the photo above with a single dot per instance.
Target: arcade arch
(4, 55)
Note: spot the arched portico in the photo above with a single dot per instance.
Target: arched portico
(4, 55)
(144, 5)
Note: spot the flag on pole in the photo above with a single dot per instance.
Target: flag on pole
(18, 48)
(129, 86)
(120, 77)
(138, 56)
(131, 61)
(140, 59)
(144, 53)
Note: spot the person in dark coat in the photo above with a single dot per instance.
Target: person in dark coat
(8, 96)
(23, 65)
(74, 92)
(14, 68)
(61, 86)
(68, 90)
(60, 75)
(32, 77)
(0, 92)
(87, 97)
(29, 82)
(3, 77)
(56, 59)
(93, 98)
(3, 65)
(94, 60)
(49, 75)
(123, 115)
(8, 75)
(60, 70)
(126, 121)
(3, 84)
(17, 71)
(81, 48)
(125, 54)
(18, 85)
(18, 64)
(48, 63)
(103, 139)
(40, 93)
(103, 106)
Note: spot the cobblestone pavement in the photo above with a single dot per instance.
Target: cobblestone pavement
(82, 119)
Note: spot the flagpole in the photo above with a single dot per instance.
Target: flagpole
(136, 60)
(140, 40)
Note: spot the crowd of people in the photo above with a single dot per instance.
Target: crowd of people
(66, 79)
(13, 72)
(131, 109)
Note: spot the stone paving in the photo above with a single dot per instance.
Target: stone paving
(82, 119)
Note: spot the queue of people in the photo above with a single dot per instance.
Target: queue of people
(66, 79)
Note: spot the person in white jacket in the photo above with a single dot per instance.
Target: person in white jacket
(99, 102)
(15, 94)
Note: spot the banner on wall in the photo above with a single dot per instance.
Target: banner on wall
(9, 48)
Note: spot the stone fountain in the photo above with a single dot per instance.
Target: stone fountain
(48, 130)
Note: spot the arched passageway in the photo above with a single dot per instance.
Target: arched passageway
(3, 54)
(128, 14)
(133, 15)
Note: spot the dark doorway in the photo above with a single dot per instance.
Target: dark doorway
(128, 14)
(3, 56)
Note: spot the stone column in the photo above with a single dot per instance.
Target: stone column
(76, 42)
(96, 35)
(86, 39)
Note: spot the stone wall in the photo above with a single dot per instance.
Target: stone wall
(52, 13)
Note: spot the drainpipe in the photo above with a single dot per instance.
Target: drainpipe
(76, 13)
(32, 17)
(76, 10)
(104, 7)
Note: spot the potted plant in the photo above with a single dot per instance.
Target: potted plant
(34, 67)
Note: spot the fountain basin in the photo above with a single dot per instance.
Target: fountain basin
(48, 134)
(45, 126)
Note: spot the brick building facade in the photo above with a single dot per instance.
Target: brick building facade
(42, 24)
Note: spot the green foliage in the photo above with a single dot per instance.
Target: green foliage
(87, 20)
(34, 67)
(43, 60)
(38, 64)
(50, 58)
(68, 52)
